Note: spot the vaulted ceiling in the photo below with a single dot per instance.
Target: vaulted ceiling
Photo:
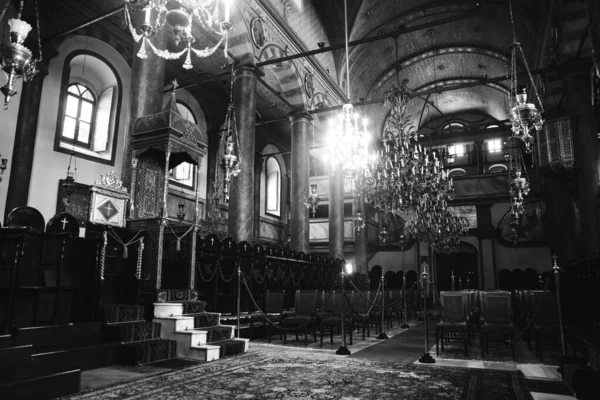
(449, 52)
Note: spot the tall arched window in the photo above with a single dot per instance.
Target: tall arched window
(79, 115)
(273, 187)
(184, 173)
(89, 100)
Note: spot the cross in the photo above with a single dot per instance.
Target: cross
(64, 223)
(108, 207)
(212, 241)
(245, 247)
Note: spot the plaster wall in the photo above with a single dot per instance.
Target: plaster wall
(50, 166)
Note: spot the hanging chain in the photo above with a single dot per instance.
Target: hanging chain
(39, 33)
(4, 10)
(21, 4)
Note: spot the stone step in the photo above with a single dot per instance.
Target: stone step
(172, 324)
(139, 353)
(204, 352)
(162, 310)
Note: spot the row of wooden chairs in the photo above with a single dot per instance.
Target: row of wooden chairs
(464, 312)
(537, 314)
(321, 310)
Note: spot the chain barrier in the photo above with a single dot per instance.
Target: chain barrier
(386, 306)
(217, 266)
(223, 276)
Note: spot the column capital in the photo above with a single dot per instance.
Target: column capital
(299, 116)
(246, 70)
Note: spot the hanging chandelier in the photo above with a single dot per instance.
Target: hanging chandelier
(348, 138)
(525, 118)
(390, 176)
(230, 163)
(178, 16)
(17, 60)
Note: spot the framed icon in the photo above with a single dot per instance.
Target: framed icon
(258, 32)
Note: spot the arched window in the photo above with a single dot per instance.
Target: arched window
(273, 187)
(79, 115)
(494, 145)
(87, 117)
(457, 150)
(184, 173)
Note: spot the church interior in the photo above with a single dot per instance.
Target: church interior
(317, 199)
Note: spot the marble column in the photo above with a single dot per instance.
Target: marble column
(258, 168)
(336, 213)
(21, 162)
(360, 241)
(300, 224)
(145, 94)
(585, 141)
(241, 198)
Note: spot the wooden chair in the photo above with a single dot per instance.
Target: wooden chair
(544, 320)
(454, 318)
(360, 312)
(273, 311)
(498, 319)
(336, 320)
(305, 315)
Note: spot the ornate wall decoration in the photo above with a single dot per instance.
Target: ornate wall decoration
(309, 85)
(258, 32)
(530, 231)
(78, 203)
(149, 188)
(108, 201)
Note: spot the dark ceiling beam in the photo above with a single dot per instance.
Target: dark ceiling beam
(87, 23)
(400, 31)
(276, 93)
(481, 82)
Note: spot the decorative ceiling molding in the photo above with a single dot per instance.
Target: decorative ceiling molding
(391, 72)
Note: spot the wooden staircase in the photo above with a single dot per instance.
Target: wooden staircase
(199, 334)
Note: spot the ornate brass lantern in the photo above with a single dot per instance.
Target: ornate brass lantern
(17, 60)
(313, 200)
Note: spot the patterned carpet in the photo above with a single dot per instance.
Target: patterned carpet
(260, 375)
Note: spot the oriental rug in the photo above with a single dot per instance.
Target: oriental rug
(320, 376)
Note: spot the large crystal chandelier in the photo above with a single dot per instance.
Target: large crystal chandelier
(437, 225)
(347, 137)
(390, 176)
(406, 175)
(178, 16)
(17, 60)
(525, 117)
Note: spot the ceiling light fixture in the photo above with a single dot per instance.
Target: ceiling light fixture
(17, 60)
(179, 16)
(524, 117)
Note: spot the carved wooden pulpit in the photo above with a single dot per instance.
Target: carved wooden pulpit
(160, 142)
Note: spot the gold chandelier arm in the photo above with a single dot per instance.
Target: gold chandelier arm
(166, 54)
(136, 36)
(207, 51)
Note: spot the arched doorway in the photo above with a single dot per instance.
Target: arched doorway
(462, 263)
